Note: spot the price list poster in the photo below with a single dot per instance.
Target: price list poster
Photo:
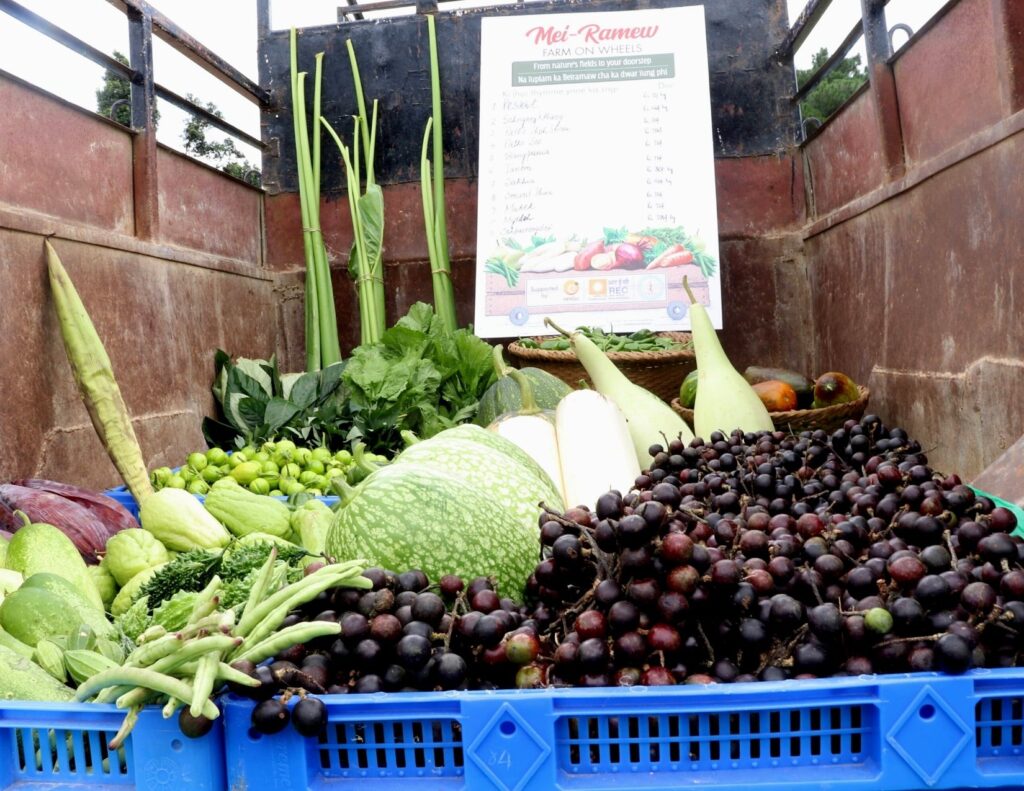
(596, 173)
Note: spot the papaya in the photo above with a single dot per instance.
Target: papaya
(777, 396)
(803, 386)
(834, 388)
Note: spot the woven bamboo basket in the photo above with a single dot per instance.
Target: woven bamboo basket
(661, 372)
(796, 420)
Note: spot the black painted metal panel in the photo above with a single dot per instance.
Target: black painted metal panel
(750, 87)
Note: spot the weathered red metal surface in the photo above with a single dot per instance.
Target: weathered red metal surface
(948, 83)
(844, 160)
(758, 195)
(1008, 22)
(202, 210)
(61, 162)
(161, 309)
(921, 294)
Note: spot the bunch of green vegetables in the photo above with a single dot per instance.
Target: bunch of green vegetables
(322, 345)
(190, 572)
(432, 190)
(419, 378)
(366, 264)
(639, 341)
(257, 404)
(185, 667)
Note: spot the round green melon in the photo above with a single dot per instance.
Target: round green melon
(413, 516)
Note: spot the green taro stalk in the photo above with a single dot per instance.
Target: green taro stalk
(322, 345)
(366, 259)
(433, 199)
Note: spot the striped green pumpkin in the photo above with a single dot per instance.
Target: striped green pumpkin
(503, 396)
(499, 468)
(412, 516)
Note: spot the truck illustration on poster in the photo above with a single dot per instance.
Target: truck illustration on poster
(596, 183)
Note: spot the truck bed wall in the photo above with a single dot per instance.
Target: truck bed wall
(911, 285)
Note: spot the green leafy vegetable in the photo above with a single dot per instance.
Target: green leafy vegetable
(189, 571)
(133, 622)
(258, 404)
(419, 378)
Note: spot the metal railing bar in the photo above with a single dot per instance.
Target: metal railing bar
(70, 41)
(805, 23)
(172, 34)
(194, 109)
(353, 10)
(833, 59)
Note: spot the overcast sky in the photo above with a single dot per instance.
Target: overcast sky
(228, 27)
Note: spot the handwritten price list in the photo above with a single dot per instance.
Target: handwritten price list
(589, 131)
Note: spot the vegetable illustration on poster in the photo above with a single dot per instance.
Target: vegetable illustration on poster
(596, 175)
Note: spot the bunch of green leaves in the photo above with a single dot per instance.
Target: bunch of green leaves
(257, 404)
(236, 566)
(420, 378)
(639, 341)
(664, 238)
(133, 622)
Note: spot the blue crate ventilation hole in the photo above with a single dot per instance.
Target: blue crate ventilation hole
(40, 754)
(901, 733)
(54, 746)
(713, 741)
(427, 747)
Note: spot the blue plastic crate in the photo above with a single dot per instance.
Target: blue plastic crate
(52, 746)
(908, 731)
(125, 498)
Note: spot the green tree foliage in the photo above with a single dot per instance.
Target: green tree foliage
(116, 90)
(223, 154)
(835, 88)
(115, 94)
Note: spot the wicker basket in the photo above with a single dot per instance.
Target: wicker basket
(661, 372)
(796, 420)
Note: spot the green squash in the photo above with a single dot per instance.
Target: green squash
(503, 396)
(688, 390)
(411, 516)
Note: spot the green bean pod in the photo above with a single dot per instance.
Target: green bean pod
(195, 649)
(126, 728)
(172, 705)
(286, 638)
(149, 653)
(139, 677)
(274, 609)
(202, 686)
(227, 673)
(152, 633)
(205, 602)
(269, 621)
(259, 589)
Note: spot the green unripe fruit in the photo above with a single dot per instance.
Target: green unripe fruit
(217, 456)
(246, 472)
(197, 461)
(878, 620)
(259, 486)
